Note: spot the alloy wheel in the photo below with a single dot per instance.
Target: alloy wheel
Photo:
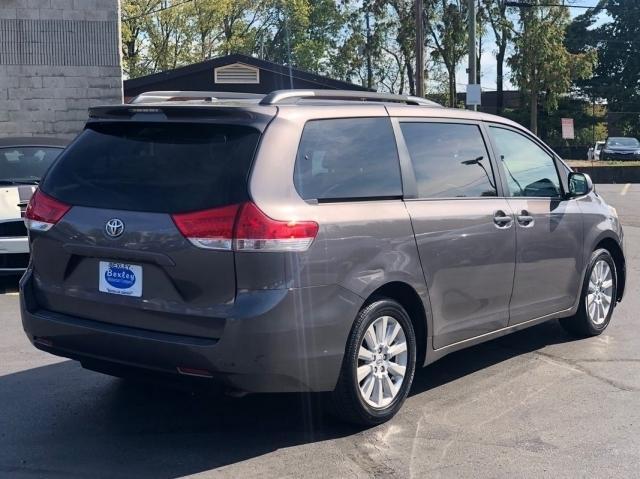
(600, 292)
(382, 362)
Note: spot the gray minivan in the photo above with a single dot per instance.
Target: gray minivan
(321, 241)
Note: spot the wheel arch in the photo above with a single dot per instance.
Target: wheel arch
(613, 247)
(410, 300)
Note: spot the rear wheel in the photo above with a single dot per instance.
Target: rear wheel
(379, 364)
(598, 298)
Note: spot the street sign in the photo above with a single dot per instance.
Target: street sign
(567, 129)
(474, 94)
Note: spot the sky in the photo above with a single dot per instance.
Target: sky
(489, 47)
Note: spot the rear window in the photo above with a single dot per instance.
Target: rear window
(24, 163)
(162, 168)
(349, 158)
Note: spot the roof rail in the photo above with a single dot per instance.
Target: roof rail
(280, 96)
(161, 96)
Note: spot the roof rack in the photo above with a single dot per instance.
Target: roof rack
(162, 96)
(281, 96)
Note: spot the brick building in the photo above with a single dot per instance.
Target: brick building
(57, 58)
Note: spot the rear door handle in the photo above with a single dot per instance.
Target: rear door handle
(525, 220)
(502, 220)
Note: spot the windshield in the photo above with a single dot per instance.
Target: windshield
(25, 164)
(623, 143)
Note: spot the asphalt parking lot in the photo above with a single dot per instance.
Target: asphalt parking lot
(533, 404)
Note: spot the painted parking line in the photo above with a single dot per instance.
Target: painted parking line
(625, 188)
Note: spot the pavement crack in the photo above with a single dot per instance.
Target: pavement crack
(575, 364)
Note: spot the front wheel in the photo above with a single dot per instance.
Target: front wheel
(598, 299)
(378, 366)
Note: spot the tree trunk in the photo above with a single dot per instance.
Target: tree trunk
(452, 89)
(410, 74)
(533, 102)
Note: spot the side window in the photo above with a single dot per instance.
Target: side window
(348, 158)
(449, 160)
(530, 170)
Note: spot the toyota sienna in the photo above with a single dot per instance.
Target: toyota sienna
(323, 241)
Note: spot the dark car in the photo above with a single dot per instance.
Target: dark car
(321, 241)
(620, 148)
(23, 161)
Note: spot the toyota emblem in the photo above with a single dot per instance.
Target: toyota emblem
(114, 228)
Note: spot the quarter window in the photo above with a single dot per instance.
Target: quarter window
(350, 158)
(449, 160)
(530, 170)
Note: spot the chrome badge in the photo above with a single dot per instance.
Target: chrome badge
(114, 228)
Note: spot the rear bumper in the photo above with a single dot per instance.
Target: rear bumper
(14, 255)
(296, 344)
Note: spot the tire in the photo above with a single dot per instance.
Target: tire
(590, 320)
(349, 395)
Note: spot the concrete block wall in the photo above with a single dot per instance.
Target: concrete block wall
(57, 58)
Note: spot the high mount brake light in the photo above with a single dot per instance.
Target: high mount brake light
(43, 212)
(244, 227)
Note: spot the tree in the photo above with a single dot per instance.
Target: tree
(447, 28)
(616, 77)
(134, 20)
(541, 64)
(206, 19)
(376, 45)
(502, 27)
(169, 36)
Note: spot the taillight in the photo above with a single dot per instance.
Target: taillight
(255, 231)
(244, 228)
(211, 229)
(43, 212)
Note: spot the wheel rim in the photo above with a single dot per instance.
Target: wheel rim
(600, 293)
(382, 362)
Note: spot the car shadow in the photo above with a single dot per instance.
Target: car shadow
(467, 361)
(62, 420)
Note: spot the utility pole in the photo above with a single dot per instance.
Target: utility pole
(288, 34)
(472, 44)
(368, 47)
(419, 50)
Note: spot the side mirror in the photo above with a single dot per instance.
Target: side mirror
(580, 184)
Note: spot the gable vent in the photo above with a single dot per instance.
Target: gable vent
(237, 73)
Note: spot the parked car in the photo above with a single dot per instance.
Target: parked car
(594, 152)
(23, 161)
(320, 241)
(621, 148)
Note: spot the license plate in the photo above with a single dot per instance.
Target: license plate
(120, 278)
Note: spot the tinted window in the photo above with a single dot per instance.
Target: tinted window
(348, 158)
(529, 169)
(164, 168)
(25, 163)
(449, 160)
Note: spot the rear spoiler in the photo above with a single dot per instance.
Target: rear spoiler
(256, 116)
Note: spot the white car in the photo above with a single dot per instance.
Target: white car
(594, 152)
(23, 161)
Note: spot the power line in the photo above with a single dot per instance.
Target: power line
(525, 4)
(158, 10)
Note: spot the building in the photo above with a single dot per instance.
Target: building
(57, 58)
(236, 73)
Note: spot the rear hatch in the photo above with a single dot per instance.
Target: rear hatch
(117, 253)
